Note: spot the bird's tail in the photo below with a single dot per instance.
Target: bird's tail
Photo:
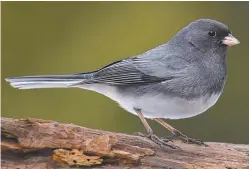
(47, 81)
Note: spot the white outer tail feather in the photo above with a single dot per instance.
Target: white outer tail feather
(28, 83)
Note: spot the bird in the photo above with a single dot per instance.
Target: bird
(179, 79)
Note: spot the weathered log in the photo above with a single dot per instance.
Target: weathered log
(35, 143)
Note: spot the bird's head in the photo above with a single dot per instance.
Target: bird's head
(209, 34)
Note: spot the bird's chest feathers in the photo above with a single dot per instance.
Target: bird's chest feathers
(211, 75)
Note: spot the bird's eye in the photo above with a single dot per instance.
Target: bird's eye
(212, 33)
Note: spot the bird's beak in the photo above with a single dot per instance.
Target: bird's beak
(230, 40)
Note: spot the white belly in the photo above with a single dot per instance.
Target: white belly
(159, 106)
(170, 108)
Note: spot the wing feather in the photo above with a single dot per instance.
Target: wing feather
(138, 71)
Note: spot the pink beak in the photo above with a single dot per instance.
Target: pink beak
(230, 40)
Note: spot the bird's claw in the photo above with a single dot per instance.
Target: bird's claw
(186, 139)
(163, 142)
(189, 140)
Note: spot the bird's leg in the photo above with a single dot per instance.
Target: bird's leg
(178, 135)
(151, 136)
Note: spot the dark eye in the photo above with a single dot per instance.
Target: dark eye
(212, 33)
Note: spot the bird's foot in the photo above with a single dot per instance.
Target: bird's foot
(163, 142)
(186, 139)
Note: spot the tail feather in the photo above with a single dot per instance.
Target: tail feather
(47, 81)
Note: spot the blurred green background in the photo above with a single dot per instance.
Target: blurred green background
(69, 37)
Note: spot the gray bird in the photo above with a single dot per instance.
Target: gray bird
(179, 79)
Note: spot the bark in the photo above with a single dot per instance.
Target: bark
(35, 143)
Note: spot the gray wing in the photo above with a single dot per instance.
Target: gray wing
(140, 70)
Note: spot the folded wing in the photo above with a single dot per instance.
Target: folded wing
(138, 71)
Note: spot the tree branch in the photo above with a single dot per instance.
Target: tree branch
(35, 143)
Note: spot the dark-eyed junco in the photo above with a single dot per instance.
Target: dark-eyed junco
(179, 79)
